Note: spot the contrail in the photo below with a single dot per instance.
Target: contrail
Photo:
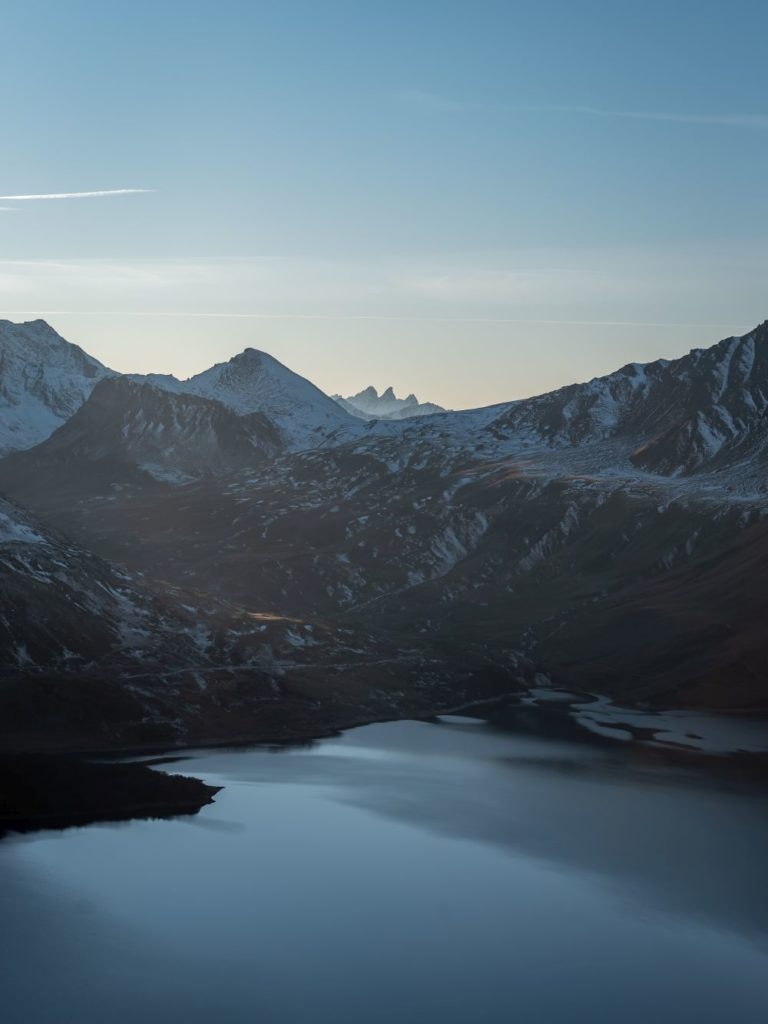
(80, 195)
(449, 105)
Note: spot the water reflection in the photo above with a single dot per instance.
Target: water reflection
(683, 838)
(457, 870)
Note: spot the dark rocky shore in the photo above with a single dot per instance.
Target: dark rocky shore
(55, 791)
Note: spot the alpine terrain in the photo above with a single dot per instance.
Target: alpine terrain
(239, 556)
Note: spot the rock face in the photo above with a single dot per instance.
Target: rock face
(611, 536)
(128, 428)
(43, 381)
(368, 404)
(704, 411)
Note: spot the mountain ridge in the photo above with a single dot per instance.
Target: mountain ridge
(254, 381)
(368, 404)
(682, 414)
(450, 556)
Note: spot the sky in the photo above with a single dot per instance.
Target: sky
(472, 201)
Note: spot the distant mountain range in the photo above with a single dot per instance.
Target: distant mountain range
(237, 556)
(368, 404)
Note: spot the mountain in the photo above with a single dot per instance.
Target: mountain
(368, 404)
(705, 411)
(127, 430)
(254, 382)
(609, 537)
(94, 657)
(43, 381)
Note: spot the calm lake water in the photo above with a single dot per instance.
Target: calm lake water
(456, 872)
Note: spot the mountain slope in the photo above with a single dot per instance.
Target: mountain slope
(467, 556)
(706, 410)
(254, 382)
(95, 657)
(92, 658)
(43, 381)
(453, 552)
(65, 609)
(126, 426)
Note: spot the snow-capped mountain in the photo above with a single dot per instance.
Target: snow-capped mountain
(368, 404)
(126, 425)
(707, 410)
(611, 536)
(254, 382)
(43, 381)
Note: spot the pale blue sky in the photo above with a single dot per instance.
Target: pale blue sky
(472, 201)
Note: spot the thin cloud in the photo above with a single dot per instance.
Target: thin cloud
(728, 120)
(432, 101)
(80, 195)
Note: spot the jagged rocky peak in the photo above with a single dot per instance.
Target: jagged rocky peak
(369, 404)
(44, 379)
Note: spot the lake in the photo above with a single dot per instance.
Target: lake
(453, 871)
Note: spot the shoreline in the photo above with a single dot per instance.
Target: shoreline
(69, 786)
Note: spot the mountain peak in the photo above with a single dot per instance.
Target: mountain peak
(254, 356)
(38, 324)
(368, 404)
(255, 382)
(44, 380)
